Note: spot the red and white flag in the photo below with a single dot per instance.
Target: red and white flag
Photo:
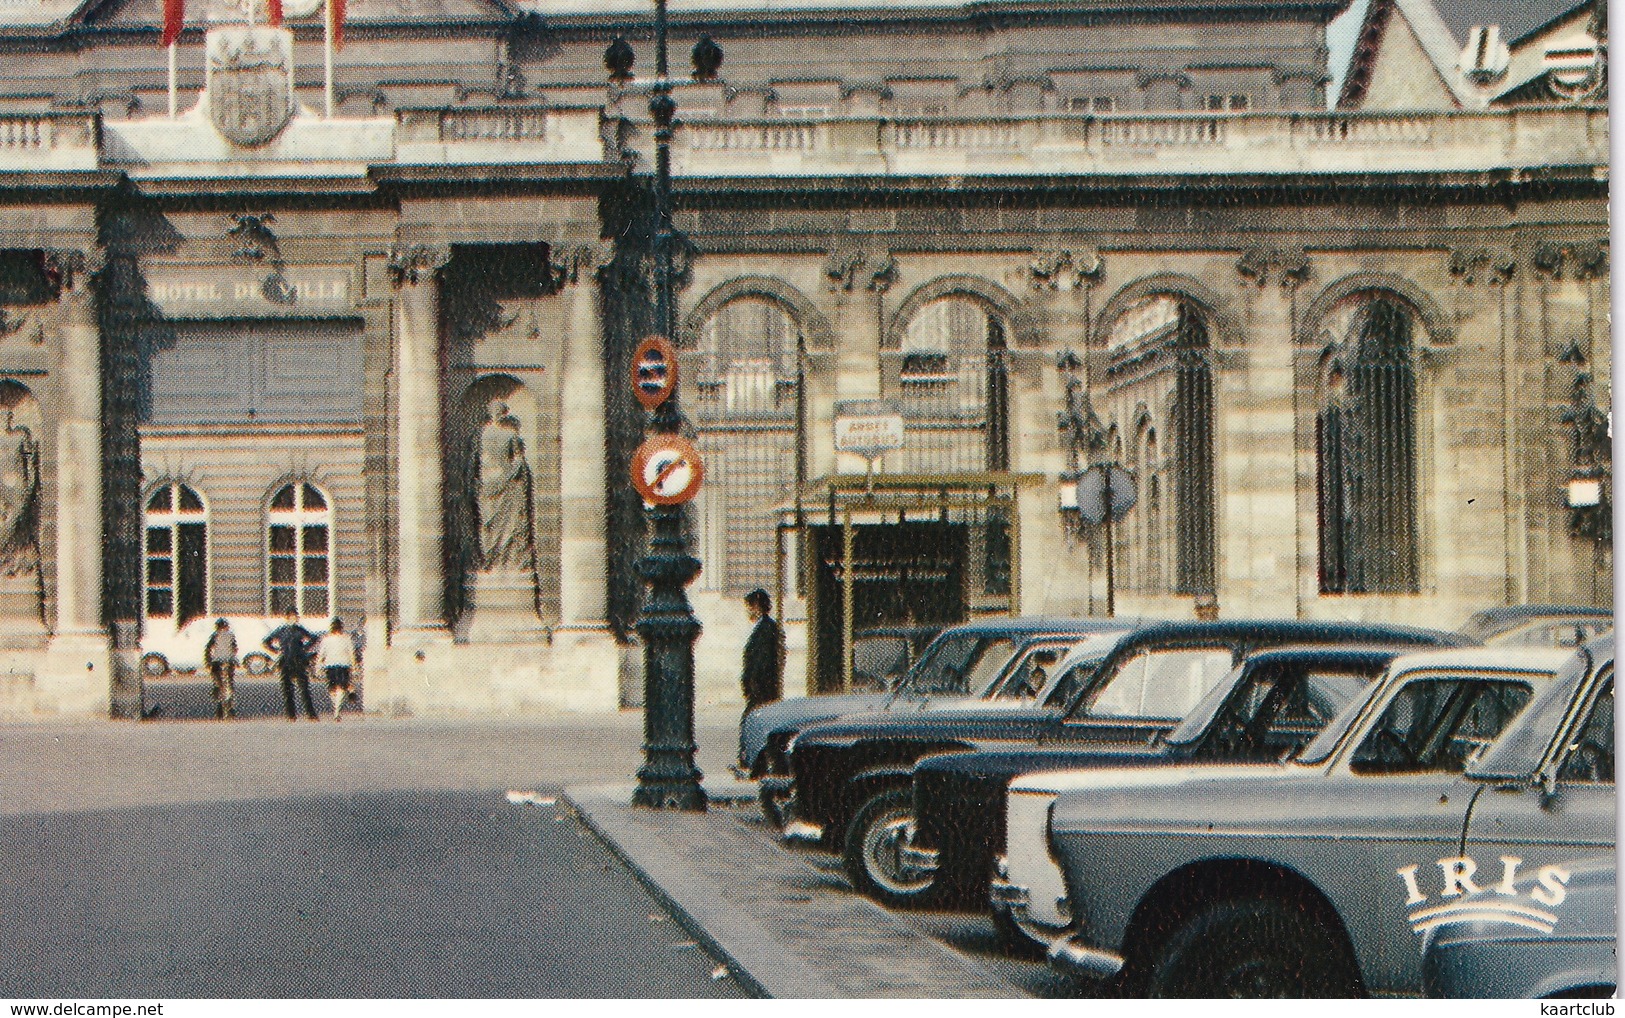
(174, 15)
(335, 21)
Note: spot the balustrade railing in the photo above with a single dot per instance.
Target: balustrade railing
(774, 137)
(1333, 130)
(949, 134)
(26, 133)
(494, 125)
(1159, 132)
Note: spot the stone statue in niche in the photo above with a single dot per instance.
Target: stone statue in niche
(503, 494)
(19, 500)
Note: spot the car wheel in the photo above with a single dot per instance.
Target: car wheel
(154, 666)
(257, 664)
(1252, 947)
(871, 850)
(778, 807)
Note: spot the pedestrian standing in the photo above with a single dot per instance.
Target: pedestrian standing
(763, 674)
(336, 658)
(220, 653)
(292, 644)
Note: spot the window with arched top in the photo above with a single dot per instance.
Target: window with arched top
(1365, 448)
(950, 376)
(745, 414)
(298, 551)
(1159, 352)
(175, 580)
(747, 364)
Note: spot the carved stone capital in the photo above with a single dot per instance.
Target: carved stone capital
(66, 269)
(412, 264)
(883, 273)
(1470, 266)
(841, 267)
(1256, 265)
(1046, 267)
(581, 261)
(1583, 260)
(1048, 270)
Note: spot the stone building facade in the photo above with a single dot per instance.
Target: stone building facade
(257, 358)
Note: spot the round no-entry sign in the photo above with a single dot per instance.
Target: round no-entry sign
(654, 371)
(666, 470)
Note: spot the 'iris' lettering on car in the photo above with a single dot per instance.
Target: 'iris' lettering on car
(1457, 873)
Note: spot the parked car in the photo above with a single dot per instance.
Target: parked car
(963, 664)
(1506, 954)
(852, 778)
(1269, 706)
(165, 650)
(1539, 625)
(1315, 877)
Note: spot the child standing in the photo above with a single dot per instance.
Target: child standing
(336, 657)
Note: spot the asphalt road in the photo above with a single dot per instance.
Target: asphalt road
(373, 859)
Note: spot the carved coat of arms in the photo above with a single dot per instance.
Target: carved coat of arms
(250, 82)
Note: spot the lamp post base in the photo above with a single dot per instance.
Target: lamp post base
(668, 778)
(670, 784)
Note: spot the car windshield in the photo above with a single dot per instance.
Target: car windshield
(1279, 708)
(1519, 752)
(955, 665)
(1161, 684)
(1077, 666)
(1437, 723)
(1030, 674)
(1311, 698)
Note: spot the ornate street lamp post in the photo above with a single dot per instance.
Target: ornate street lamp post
(668, 778)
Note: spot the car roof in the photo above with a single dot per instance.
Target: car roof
(1519, 658)
(1037, 625)
(1493, 620)
(1352, 654)
(1302, 631)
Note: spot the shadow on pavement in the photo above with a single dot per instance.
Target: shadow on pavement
(386, 894)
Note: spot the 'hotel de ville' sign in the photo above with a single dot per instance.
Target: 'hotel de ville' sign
(249, 82)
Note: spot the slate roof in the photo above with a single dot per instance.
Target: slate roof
(1517, 18)
(1441, 27)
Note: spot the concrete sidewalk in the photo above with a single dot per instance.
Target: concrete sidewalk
(786, 927)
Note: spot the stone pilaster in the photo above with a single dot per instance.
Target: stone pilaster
(419, 513)
(863, 281)
(583, 596)
(76, 674)
(1259, 543)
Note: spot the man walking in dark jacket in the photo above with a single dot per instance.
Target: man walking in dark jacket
(764, 654)
(292, 644)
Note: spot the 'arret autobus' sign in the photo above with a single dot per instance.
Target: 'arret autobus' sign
(868, 428)
(251, 291)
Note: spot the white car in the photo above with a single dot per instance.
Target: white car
(165, 650)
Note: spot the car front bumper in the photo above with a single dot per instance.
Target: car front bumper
(804, 837)
(1066, 952)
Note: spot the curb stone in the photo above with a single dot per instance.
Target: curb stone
(784, 927)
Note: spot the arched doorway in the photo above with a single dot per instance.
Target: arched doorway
(1365, 447)
(746, 412)
(1159, 381)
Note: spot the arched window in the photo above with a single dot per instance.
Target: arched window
(1365, 446)
(298, 552)
(950, 376)
(1159, 357)
(745, 415)
(176, 578)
